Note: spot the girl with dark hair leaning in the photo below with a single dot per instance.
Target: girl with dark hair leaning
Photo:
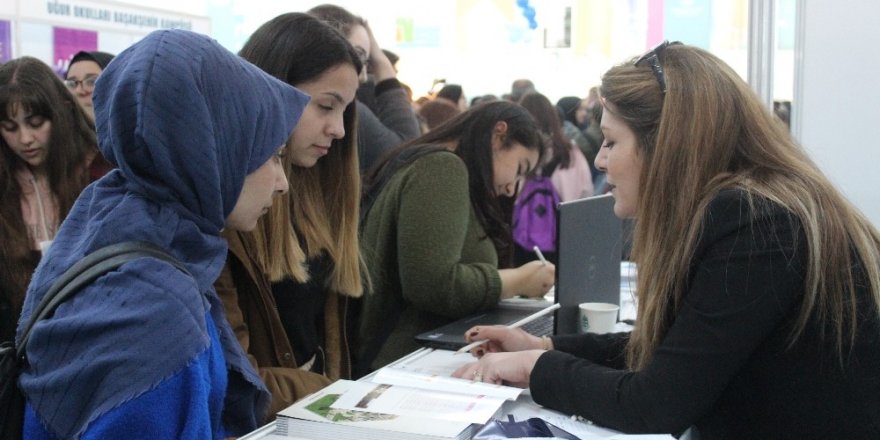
(46, 146)
(758, 282)
(433, 231)
(287, 284)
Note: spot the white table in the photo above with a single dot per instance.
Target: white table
(524, 406)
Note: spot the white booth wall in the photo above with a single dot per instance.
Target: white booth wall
(837, 95)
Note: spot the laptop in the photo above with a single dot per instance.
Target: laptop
(589, 247)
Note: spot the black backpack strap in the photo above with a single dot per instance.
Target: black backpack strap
(88, 270)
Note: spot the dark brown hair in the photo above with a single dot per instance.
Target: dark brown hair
(472, 130)
(547, 117)
(29, 86)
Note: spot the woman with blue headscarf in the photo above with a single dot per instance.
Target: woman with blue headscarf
(145, 351)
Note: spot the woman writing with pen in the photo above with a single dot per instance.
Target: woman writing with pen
(540, 255)
(433, 232)
(759, 283)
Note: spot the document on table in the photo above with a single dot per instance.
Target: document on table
(393, 399)
(432, 370)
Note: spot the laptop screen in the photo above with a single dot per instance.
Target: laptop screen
(590, 250)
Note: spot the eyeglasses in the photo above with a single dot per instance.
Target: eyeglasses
(653, 56)
(87, 84)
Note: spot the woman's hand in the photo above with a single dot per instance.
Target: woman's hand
(502, 368)
(501, 338)
(379, 65)
(532, 279)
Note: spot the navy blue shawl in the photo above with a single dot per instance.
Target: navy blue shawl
(184, 121)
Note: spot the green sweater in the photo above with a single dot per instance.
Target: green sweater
(429, 259)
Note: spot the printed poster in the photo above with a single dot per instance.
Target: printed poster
(5, 41)
(67, 42)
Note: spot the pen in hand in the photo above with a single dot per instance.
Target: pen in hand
(540, 255)
(516, 324)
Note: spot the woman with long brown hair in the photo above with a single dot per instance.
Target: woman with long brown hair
(46, 144)
(758, 282)
(287, 284)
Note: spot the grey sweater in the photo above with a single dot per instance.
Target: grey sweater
(393, 122)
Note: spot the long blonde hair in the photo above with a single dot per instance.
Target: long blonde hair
(323, 204)
(710, 132)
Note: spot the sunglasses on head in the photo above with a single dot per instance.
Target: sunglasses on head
(653, 57)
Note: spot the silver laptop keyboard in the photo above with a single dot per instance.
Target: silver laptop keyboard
(542, 326)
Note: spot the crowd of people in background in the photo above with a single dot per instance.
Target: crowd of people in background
(326, 214)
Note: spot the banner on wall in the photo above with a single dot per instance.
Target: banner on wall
(109, 15)
(67, 42)
(5, 41)
(408, 34)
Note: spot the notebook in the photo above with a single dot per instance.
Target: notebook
(589, 247)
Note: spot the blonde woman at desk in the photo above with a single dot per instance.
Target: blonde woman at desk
(759, 283)
(434, 232)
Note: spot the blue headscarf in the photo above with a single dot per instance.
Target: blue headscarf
(184, 121)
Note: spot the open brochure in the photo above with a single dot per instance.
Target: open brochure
(328, 414)
(415, 396)
(432, 370)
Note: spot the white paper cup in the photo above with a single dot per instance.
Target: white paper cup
(598, 317)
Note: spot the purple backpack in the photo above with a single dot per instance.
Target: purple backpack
(534, 215)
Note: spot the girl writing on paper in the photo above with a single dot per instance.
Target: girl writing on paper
(145, 351)
(434, 231)
(758, 282)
